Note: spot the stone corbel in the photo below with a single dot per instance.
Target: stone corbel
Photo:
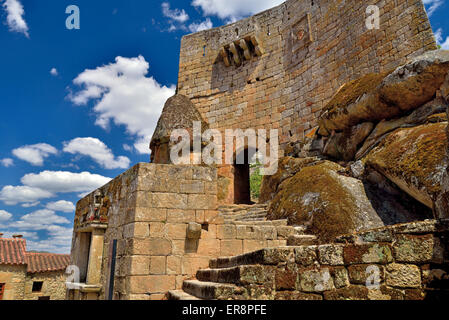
(235, 54)
(257, 45)
(245, 48)
(225, 57)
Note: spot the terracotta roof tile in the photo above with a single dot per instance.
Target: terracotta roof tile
(45, 262)
(12, 251)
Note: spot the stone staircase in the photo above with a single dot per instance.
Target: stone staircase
(228, 277)
(244, 212)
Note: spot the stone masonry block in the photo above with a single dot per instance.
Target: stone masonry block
(143, 214)
(158, 264)
(316, 280)
(180, 216)
(403, 276)
(367, 253)
(170, 200)
(202, 202)
(159, 247)
(176, 230)
(359, 274)
(226, 231)
(231, 247)
(414, 248)
(331, 254)
(306, 255)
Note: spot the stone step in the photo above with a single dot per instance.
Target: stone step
(239, 275)
(211, 290)
(265, 256)
(301, 240)
(180, 295)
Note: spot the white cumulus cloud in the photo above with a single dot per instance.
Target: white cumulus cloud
(432, 6)
(14, 19)
(64, 181)
(444, 43)
(123, 93)
(7, 162)
(234, 9)
(197, 27)
(175, 14)
(4, 215)
(61, 206)
(12, 195)
(39, 220)
(35, 154)
(54, 72)
(98, 151)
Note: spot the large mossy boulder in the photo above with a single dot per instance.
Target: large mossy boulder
(343, 145)
(376, 97)
(287, 168)
(431, 112)
(414, 159)
(328, 203)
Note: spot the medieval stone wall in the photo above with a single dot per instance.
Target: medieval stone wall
(53, 285)
(14, 278)
(402, 262)
(310, 49)
(167, 226)
(19, 283)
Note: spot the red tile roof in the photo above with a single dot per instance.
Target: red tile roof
(45, 262)
(13, 252)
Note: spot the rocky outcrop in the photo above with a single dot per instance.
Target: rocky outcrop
(414, 159)
(376, 97)
(343, 145)
(328, 203)
(431, 112)
(178, 113)
(287, 168)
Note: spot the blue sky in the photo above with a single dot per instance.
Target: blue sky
(79, 106)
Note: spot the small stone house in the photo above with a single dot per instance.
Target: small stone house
(30, 275)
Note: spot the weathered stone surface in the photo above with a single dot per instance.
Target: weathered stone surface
(306, 255)
(416, 83)
(348, 293)
(340, 276)
(359, 274)
(295, 295)
(343, 145)
(403, 276)
(331, 254)
(328, 203)
(287, 168)
(286, 277)
(414, 248)
(178, 113)
(367, 253)
(355, 102)
(387, 95)
(419, 116)
(414, 159)
(193, 230)
(316, 280)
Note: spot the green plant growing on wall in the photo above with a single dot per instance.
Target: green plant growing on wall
(255, 181)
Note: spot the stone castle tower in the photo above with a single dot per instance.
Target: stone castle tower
(314, 71)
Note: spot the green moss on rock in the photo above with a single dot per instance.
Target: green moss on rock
(414, 159)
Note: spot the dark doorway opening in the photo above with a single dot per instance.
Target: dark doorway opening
(242, 187)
